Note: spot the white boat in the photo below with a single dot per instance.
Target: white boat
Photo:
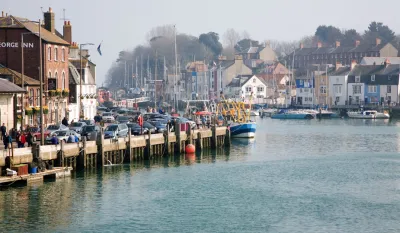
(268, 112)
(368, 114)
(254, 113)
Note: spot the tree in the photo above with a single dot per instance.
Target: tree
(349, 37)
(167, 31)
(211, 41)
(328, 34)
(377, 29)
(245, 35)
(231, 37)
(244, 45)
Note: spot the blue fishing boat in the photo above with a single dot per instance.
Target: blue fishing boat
(243, 130)
(287, 114)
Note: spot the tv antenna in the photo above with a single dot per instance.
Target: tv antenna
(63, 18)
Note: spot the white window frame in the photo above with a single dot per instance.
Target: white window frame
(356, 89)
(248, 89)
(55, 53)
(63, 80)
(63, 54)
(260, 89)
(357, 79)
(372, 88)
(389, 89)
(373, 78)
(322, 89)
(49, 53)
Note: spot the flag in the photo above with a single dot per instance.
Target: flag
(98, 49)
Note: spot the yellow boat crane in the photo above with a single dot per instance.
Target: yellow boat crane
(233, 110)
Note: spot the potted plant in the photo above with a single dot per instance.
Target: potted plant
(58, 91)
(65, 92)
(36, 110)
(52, 93)
(28, 111)
(19, 118)
(45, 109)
(82, 97)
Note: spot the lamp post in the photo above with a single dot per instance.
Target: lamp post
(41, 86)
(81, 79)
(22, 72)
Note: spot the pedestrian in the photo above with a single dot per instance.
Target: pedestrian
(17, 139)
(29, 139)
(65, 121)
(76, 138)
(54, 140)
(71, 139)
(6, 141)
(3, 130)
(97, 118)
(22, 140)
(203, 121)
(198, 122)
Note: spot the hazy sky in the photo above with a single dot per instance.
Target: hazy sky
(124, 24)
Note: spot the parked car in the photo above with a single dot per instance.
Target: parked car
(88, 129)
(116, 131)
(62, 135)
(160, 127)
(108, 117)
(182, 120)
(53, 128)
(122, 119)
(77, 126)
(136, 129)
(36, 133)
(149, 127)
(88, 122)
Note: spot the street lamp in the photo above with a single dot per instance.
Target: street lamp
(81, 80)
(22, 72)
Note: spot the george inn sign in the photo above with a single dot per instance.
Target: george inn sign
(14, 45)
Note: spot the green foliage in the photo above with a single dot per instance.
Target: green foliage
(328, 34)
(245, 44)
(211, 41)
(377, 29)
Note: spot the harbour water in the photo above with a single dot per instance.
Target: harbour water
(296, 176)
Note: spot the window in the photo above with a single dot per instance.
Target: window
(248, 89)
(31, 97)
(357, 99)
(55, 54)
(63, 81)
(254, 80)
(301, 82)
(306, 90)
(357, 80)
(389, 89)
(372, 88)
(305, 99)
(49, 53)
(260, 89)
(373, 78)
(63, 54)
(356, 89)
(38, 95)
(322, 89)
(310, 99)
(301, 90)
(337, 89)
(337, 99)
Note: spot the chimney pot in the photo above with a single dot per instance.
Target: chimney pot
(337, 44)
(378, 41)
(301, 45)
(49, 21)
(319, 45)
(50, 10)
(353, 64)
(67, 32)
(357, 43)
(69, 22)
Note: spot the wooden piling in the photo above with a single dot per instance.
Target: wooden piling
(178, 144)
(214, 141)
(199, 141)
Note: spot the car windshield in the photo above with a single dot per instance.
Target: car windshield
(53, 127)
(76, 124)
(122, 118)
(107, 114)
(60, 133)
(133, 125)
(148, 125)
(88, 128)
(112, 128)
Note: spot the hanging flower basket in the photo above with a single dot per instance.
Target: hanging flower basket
(65, 93)
(28, 111)
(82, 97)
(59, 92)
(36, 110)
(45, 109)
(52, 93)
(87, 96)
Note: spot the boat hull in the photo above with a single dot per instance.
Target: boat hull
(243, 130)
(292, 116)
(383, 116)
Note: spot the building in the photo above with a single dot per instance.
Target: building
(379, 60)
(337, 89)
(246, 86)
(199, 83)
(374, 84)
(305, 90)
(23, 101)
(8, 92)
(227, 70)
(55, 53)
(303, 57)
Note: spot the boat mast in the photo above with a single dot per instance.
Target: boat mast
(176, 70)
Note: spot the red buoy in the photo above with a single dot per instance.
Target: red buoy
(190, 149)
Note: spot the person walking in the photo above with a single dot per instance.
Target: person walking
(54, 140)
(29, 139)
(7, 140)
(18, 138)
(65, 121)
(22, 140)
(3, 130)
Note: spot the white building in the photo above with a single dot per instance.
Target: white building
(8, 91)
(246, 86)
(88, 96)
(338, 85)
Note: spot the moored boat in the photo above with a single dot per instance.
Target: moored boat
(243, 130)
(286, 114)
(368, 114)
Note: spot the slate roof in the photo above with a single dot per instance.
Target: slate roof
(239, 79)
(7, 87)
(379, 60)
(18, 77)
(341, 71)
(18, 22)
(253, 50)
(360, 70)
(227, 63)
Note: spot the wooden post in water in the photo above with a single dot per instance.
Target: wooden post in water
(129, 149)
(214, 137)
(148, 145)
(82, 157)
(228, 138)
(178, 144)
(199, 144)
(166, 141)
(100, 150)
(60, 154)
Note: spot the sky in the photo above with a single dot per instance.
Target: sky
(123, 24)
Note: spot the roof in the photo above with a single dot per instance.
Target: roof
(18, 77)
(253, 50)
(9, 87)
(360, 70)
(341, 71)
(227, 63)
(18, 22)
(240, 79)
(77, 63)
(379, 60)
(73, 74)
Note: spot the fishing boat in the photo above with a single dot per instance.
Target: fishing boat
(254, 113)
(238, 118)
(292, 114)
(368, 114)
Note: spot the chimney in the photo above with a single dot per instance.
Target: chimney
(378, 41)
(301, 45)
(49, 22)
(357, 43)
(338, 65)
(67, 31)
(2, 14)
(386, 63)
(353, 64)
(337, 44)
(319, 45)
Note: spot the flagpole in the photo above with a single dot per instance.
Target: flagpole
(176, 69)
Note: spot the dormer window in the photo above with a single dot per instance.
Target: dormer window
(357, 79)
(373, 78)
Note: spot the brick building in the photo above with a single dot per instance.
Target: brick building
(303, 57)
(55, 52)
